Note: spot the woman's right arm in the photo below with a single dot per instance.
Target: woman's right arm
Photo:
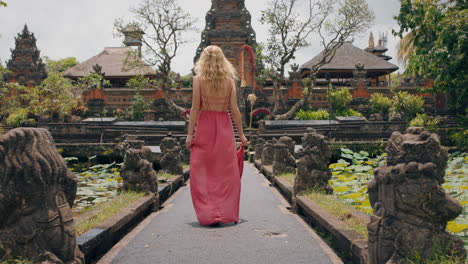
(236, 115)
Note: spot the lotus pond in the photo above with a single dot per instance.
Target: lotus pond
(351, 174)
(96, 184)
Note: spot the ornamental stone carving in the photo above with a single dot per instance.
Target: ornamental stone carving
(411, 209)
(37, 192)
(283, 160)
(312, 167)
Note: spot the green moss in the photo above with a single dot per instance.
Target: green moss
(339, 209)
(107, 210)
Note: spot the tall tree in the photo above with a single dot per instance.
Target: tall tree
(60, 65)
(291, 22)
(440, 42)
(164, 23)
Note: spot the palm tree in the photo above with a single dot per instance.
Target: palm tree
(406, 48)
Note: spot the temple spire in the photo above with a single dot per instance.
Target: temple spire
(371, 41)
(228, 25)
(26, 64)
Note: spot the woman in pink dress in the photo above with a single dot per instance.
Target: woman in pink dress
(214, 170)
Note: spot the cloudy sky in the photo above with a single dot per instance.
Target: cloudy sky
(81, 29)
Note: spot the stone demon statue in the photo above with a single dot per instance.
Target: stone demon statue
(37, 191)
(171, 161)
(137, 171)
(411, 209)
(312, 167)
(283, 160)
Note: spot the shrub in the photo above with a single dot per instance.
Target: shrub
(312, 115)
(18, 117)
(340, 99)
(460, 139)
(407, 104)
(380, 104)
(423, 120)
(348, 112)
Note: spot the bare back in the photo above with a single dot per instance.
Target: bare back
(218, 103)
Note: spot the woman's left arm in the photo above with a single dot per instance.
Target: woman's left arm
(193, 112)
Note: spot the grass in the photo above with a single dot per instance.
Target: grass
(185, 166)
(439, 255)
(7, 258)
(339, 209)
(165, 175)
(16, 261)
(107, 210)
(288, 176)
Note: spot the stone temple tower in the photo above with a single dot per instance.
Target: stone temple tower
(25, 64)
(228, 26)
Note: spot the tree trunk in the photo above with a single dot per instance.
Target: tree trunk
(299, 104)
(276, 97)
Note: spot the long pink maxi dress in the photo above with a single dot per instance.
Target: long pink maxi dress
(214, 173)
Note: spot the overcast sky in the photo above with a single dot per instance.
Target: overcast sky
(81, 29)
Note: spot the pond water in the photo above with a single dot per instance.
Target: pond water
(96, 184)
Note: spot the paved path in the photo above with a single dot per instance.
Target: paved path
(266, 233)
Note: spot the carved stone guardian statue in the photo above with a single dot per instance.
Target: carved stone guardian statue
(411, 209)
(137, 170)
(37, 191)
(260, 142)
(268, 152)
(312, 167)
(283, 161)
(171, 159)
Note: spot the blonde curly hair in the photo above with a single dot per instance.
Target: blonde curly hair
(214, 68)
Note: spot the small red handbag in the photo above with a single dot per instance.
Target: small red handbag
(240, 158)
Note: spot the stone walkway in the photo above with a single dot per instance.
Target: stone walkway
(266, 233)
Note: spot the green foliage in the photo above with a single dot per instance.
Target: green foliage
(407, 104)
(187, 80)
(139, 105)
(460, 139)
(340, 99)
(440, 44)
(141, 82)
(18, 117)
(348, 112)
(438, 254)
(312, 115)
(423, 120)
(92, 80)
(380, 104)
(2, 3)
(60, 65)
